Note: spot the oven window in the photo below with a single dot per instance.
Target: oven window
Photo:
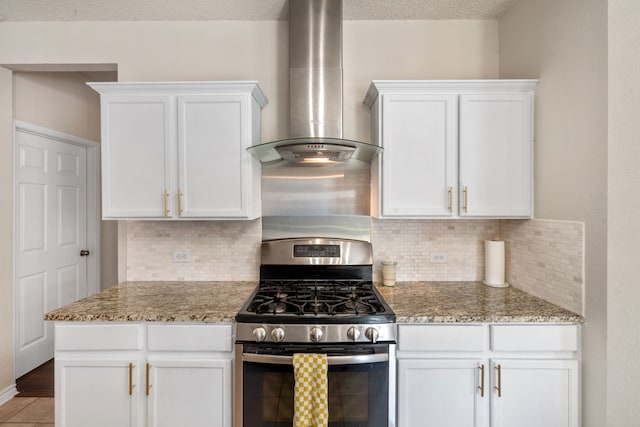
(358, 395)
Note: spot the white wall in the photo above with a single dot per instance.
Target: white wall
(159, 51)
(156, 51)
(388, 50)
(564, 44)
(60, 101)
(623, 293)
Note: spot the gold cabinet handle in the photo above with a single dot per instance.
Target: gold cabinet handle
(148, 383)
(481, 386)
(499, 386)
(180, 203)
(131, 384)
(465, 192)
(166, 203)
(450, 199)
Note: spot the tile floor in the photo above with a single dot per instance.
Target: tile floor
(27, 412)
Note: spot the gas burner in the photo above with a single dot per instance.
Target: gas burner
(317, 297)
(277, 307)
(315, 307)
(353, 306)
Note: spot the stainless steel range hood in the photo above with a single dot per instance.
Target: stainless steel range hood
(315, 90)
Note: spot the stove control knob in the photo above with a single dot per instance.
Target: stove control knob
(277, 334)
(372, 334)
(315, 334)
(260, 334)
(353, 333)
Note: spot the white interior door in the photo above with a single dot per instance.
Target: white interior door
(50, 233)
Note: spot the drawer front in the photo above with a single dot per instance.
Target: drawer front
(210, 337)
(92, 336)
(534, 338)
(441, 338)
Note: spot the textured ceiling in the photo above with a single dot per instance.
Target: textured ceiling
(244, 10)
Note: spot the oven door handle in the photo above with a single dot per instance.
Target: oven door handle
(331, 360)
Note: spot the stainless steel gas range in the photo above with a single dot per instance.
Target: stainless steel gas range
(316, 296)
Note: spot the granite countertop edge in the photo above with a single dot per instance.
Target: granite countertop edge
(419, 302)
(488, 319)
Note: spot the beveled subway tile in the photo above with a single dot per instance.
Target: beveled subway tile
(40, 411)
(13, 406)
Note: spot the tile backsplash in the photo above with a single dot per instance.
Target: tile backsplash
(219, 250)
(410, 242)
(544, 258)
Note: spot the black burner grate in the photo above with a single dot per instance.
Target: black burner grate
(316, 297)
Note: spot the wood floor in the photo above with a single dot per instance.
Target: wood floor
(37, 383)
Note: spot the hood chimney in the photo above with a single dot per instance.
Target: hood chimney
(315, 90)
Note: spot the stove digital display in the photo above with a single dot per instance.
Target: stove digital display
(317, 251)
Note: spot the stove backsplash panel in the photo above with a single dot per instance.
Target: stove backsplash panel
(544, 258)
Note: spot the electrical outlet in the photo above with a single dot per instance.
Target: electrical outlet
(181, 255)
(438, 258)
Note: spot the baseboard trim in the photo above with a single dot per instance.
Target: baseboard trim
(8, 393)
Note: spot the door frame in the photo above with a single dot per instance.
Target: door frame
(93, 207)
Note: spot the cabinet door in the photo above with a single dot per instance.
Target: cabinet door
(418, 163)
(495, 154)
(137, 140)
(96, 392)
(441, 393)
(213, 167)
(189, 393)
(534, 393)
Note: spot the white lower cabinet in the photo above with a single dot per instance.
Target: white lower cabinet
(189, 393)
(94, 391)
(139, 375)
(448, 384)
(439, 393)
(534, 393)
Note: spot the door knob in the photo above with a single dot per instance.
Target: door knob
(84, 252)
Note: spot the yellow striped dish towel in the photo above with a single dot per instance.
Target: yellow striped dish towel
(310, 405)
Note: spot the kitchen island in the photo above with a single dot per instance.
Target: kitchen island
(162, 353)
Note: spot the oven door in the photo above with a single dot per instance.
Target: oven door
(359, 385)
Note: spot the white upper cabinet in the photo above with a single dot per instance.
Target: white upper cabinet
(495, 154)
(137, 143)
(418, 175)
(452, 148)
(178, 150)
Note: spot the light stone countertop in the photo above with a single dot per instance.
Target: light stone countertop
(160, 302)
(469, 302)
(413, 302)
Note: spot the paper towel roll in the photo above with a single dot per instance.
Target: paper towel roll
(494, 264)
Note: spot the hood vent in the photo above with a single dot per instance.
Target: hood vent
(315, 90)
(315, 152)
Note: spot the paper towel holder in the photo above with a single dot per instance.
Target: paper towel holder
(494, 264)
